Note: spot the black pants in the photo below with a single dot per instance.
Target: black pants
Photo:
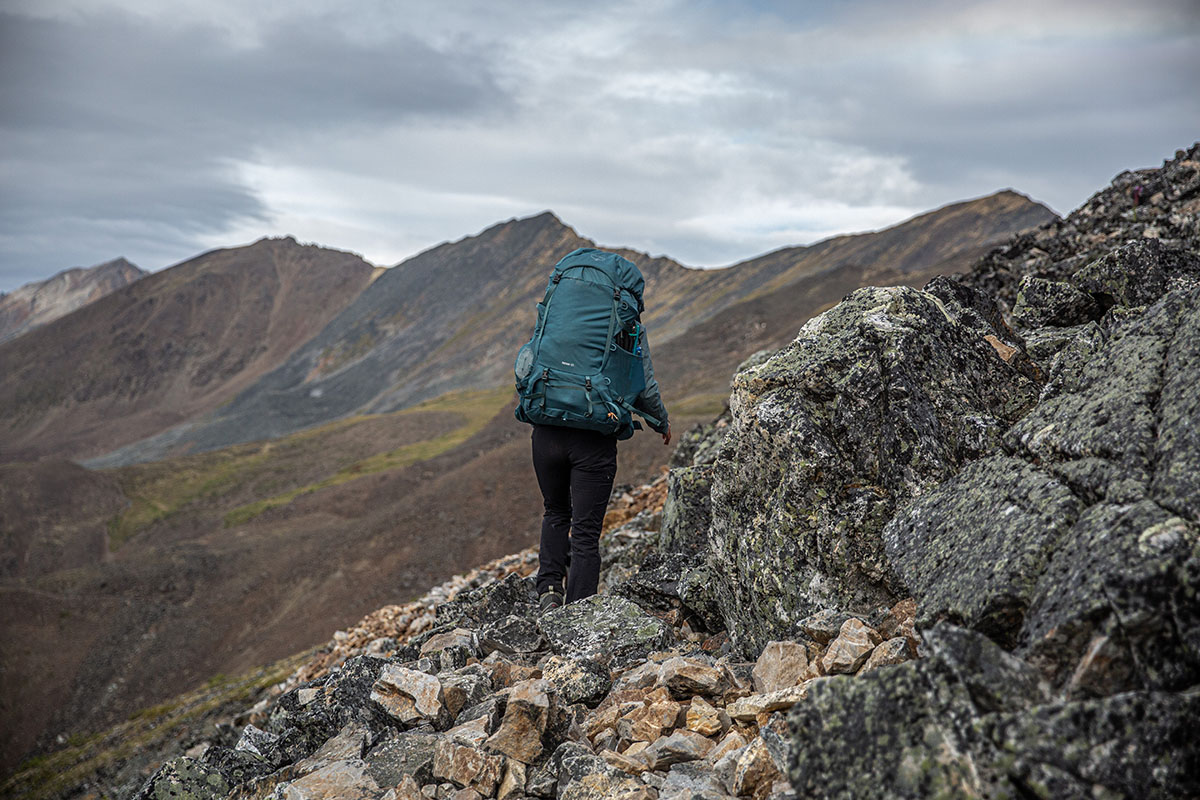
(575, 470)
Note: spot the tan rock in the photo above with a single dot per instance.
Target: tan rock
(733, 740)
(513, 783)
(644, 676)
(525, 719)
(680, 746)
(635, 748)
(705, 719)
(685, 677)
(599, 721)
(625, 762)
(506, 674)
(341, 780)
(851, 648)
(899, 620)
(440, 641)
(407, 789)
(747, 709)
(471, 734)
(893, 651)
(781, 664)
(654, 720)
(657, 695)
(467, 767)
(408, 694)
(754, 769)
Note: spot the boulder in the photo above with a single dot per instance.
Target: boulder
(878, 399)
(511, 635)
(610, 630)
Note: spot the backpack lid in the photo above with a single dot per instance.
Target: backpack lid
(621, 270)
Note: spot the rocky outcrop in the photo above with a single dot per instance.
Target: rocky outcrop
(877, 400)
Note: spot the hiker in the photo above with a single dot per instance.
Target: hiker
(580, 378)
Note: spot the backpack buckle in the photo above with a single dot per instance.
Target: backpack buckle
(557, 277)
(587, 383)
(617, 293)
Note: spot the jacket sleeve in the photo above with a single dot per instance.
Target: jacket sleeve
(650, 400)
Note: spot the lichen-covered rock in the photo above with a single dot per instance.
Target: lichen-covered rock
(577, 680)
(1082, 544)
(973, 721)
(409, 753)
(1041, 302)
(1140, 272)
(971, 549)
(185, 778)
(611, 630)
(879, 398)
(512, 635)
(687, 510)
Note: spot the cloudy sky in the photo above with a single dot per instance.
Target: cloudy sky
(710, 131)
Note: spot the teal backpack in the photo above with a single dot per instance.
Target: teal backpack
(583, 366)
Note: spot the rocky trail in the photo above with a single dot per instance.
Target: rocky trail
(946, 543)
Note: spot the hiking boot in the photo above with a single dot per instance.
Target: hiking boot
(550, 600)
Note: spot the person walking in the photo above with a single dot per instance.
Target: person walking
(580, 378)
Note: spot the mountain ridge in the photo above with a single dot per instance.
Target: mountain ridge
(473, 300)
(40, 302)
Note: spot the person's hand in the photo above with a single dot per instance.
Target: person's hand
(667, 436)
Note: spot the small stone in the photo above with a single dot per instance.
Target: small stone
(625, 762)
(408, 789)
(407, 694)
(680, 746)
(506, 673)
(754, 768)
(734, 740)
(644, 676)
(851, 648)
(686, 677)
(307, 695)
(458, 637)
(651, 722)
(577, 680)
(781, 664)
(893, 651)
(472, 734)
(513, 635)
(747, 709)
(824, 625)
(525, 720)
(899, 620)
(461, 691)
(341, 780)
(705, 719)
(513, 783)
(467, 767)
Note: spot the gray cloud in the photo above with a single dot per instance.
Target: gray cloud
(121, 137)
(710, 132)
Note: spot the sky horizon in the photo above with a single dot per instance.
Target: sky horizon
(710, 132)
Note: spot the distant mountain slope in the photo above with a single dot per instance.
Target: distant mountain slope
(172, 345)
(451, 318)
(38, 303)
